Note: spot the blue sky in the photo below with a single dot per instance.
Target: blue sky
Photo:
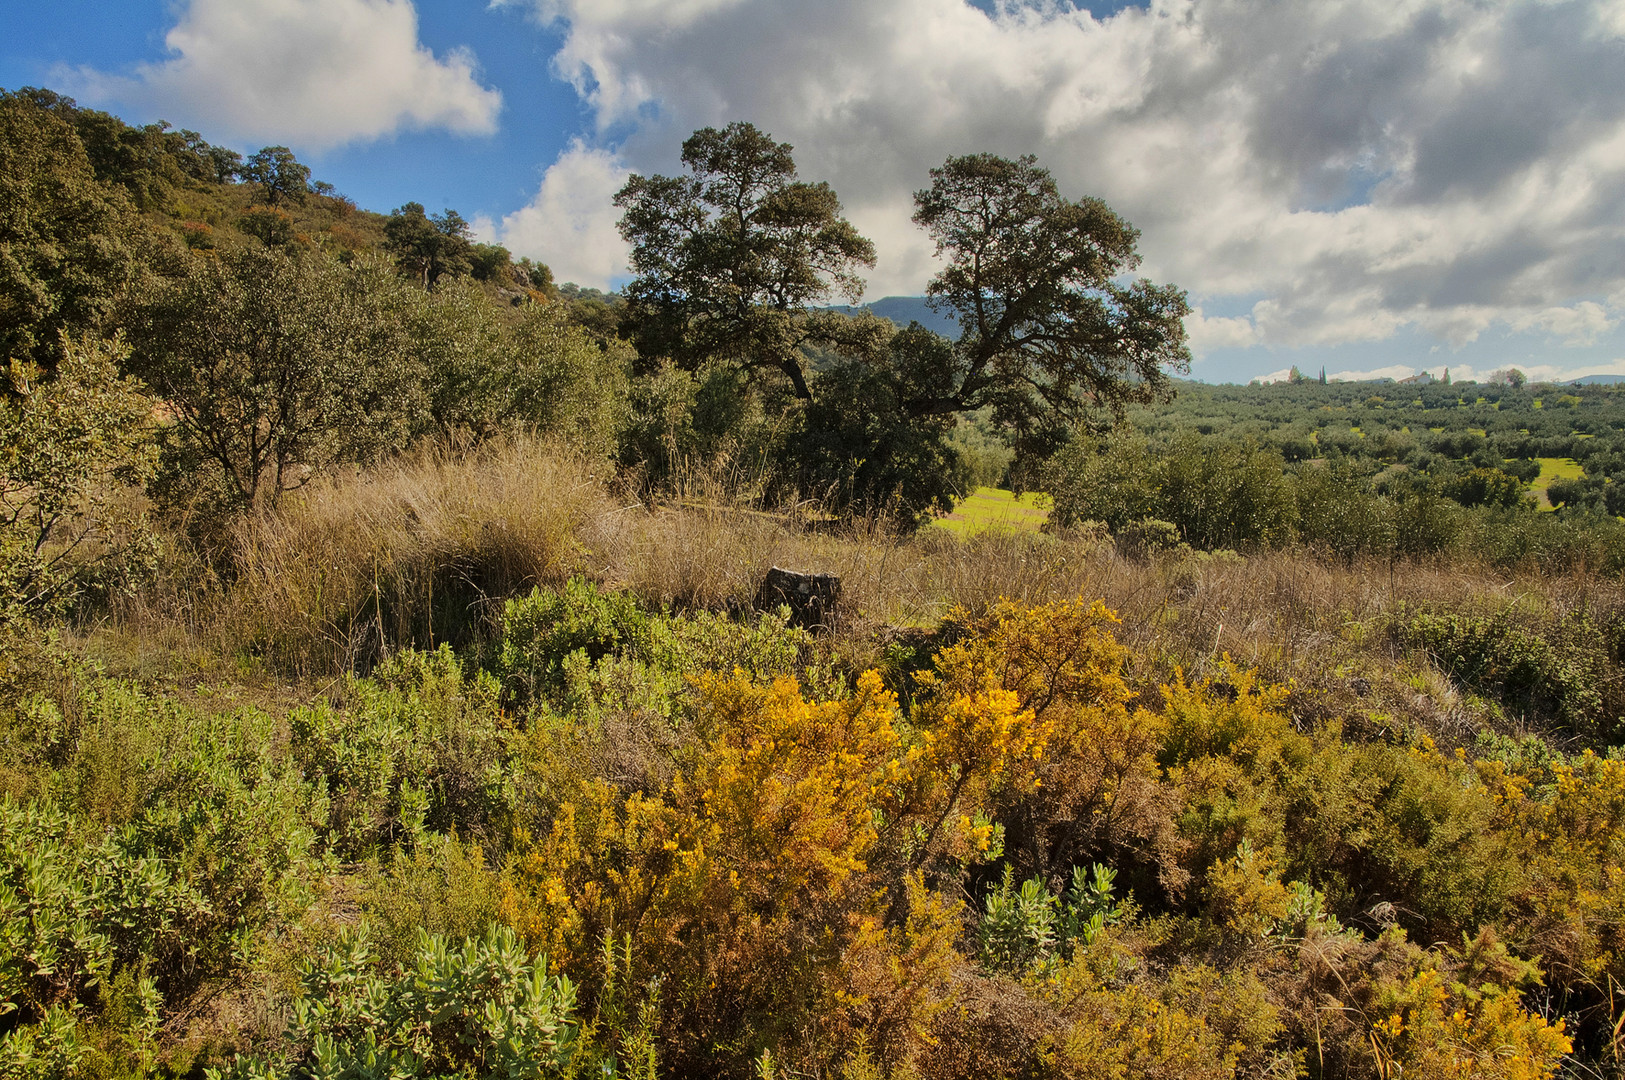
(1372, 187)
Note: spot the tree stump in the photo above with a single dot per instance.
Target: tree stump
(811, 598)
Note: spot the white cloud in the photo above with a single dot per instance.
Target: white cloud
(1460, 373)
(1363, 165)
(1390, 371)
(1581, 324)
(1218, 332)
(571, 223)
(317, 73)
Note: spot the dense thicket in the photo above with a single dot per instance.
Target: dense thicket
(640, 843)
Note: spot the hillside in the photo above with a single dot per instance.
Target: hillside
(903, 310)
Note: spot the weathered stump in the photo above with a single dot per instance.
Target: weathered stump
(811, 598)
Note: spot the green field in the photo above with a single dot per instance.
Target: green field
(1553, 468)
(995, 508)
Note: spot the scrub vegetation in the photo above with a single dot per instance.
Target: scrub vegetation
(382, 692)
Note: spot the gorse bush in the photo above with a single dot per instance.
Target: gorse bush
(669, 855)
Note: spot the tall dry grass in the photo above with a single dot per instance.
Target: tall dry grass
(425, 550)
(415, 552)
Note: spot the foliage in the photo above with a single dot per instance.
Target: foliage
(1554, 677)
(270, 225)
(70, 448)
(1435, 1027)
(275, 368)
(488, 373)
(1047, 330)
(1029, 926)
(543, 631)
(65, 237)
(861, 447)
(429, 248)
(482, 1008)
(278, 175)
(729, 257)
(413, 747)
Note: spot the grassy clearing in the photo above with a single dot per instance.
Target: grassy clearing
(996, 508)
(1552, 468)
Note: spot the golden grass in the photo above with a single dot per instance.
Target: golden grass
(413, 552)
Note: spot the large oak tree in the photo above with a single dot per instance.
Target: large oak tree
(1052, 332)
(730, 257)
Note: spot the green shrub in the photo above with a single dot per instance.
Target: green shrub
(482, 1008)
(69, 446)
(441, 885)
(1555, 678)
(1028, 926)
(416, 746)
(75, 909)
(541, 630)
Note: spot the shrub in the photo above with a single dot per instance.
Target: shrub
(541, 631)
(482, 1008)
(1030, 927)
(70, 447)
(1553, 681)
(416, 746)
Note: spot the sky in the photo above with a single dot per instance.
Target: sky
(1372, 187)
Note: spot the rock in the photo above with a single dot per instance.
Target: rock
(811, 598)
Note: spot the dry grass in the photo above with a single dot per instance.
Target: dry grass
(415, 552)
(424, 550)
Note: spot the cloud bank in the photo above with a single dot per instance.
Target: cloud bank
(1363, 166)
(316, 73)
(571, 221)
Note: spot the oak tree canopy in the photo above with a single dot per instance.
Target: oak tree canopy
(1050, 330)
(730, 257)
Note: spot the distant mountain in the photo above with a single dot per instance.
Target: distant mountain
(1599, 380)
(903, 310)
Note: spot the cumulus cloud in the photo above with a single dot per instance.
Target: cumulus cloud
(1363, 165)
(317, 73)
(1461, 373)
(1581, 324)
(1207, 333)
(571, 223)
